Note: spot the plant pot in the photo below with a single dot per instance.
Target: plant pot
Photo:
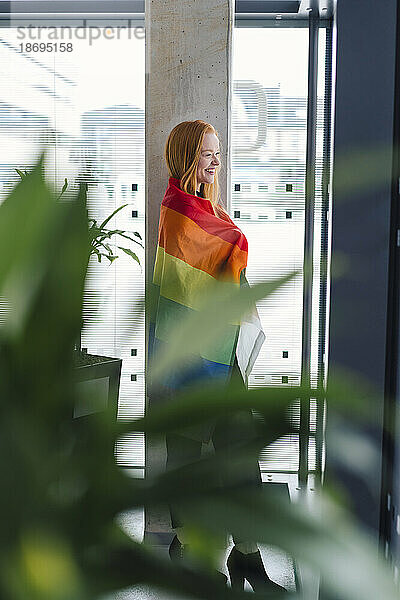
(101, 376)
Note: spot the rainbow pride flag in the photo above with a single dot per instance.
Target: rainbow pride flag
(195, 249)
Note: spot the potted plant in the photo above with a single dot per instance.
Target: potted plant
(62, 492)
(102, 373)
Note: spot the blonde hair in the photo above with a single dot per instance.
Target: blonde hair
(182, 155)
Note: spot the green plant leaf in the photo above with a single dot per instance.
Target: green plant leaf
(121, 565)
(59, 469)
(130, 253)
(20, 173)
(97, 253)
(200, 404)
(325, 538)
(101, 237)
(63, 188)
(123, 234)
(21, 274)
(228, 303)
(108, 248)
(104, 223)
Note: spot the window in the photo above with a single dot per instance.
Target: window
(91, 120)
(269, 139)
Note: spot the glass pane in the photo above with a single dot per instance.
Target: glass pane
(269, 133)
(92, 121)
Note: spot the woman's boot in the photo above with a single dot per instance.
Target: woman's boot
(176, 549)
(249, 566)
(177, 553)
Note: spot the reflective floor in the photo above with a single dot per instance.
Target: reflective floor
(278, 565)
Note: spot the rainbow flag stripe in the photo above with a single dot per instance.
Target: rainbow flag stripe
(195, 250)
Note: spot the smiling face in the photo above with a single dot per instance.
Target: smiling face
(209, 160)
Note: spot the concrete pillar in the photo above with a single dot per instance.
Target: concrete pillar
(188, 76)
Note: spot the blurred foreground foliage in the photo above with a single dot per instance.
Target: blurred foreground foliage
(62, 492)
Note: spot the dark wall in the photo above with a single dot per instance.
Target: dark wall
(362, 173)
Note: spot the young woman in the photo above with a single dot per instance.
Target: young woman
(199, 243)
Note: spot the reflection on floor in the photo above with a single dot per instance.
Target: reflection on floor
(278, 565)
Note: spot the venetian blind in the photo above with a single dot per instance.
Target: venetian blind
(83, 106)
(92, 122)
(269, 133)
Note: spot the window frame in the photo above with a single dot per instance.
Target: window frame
(135, 17)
